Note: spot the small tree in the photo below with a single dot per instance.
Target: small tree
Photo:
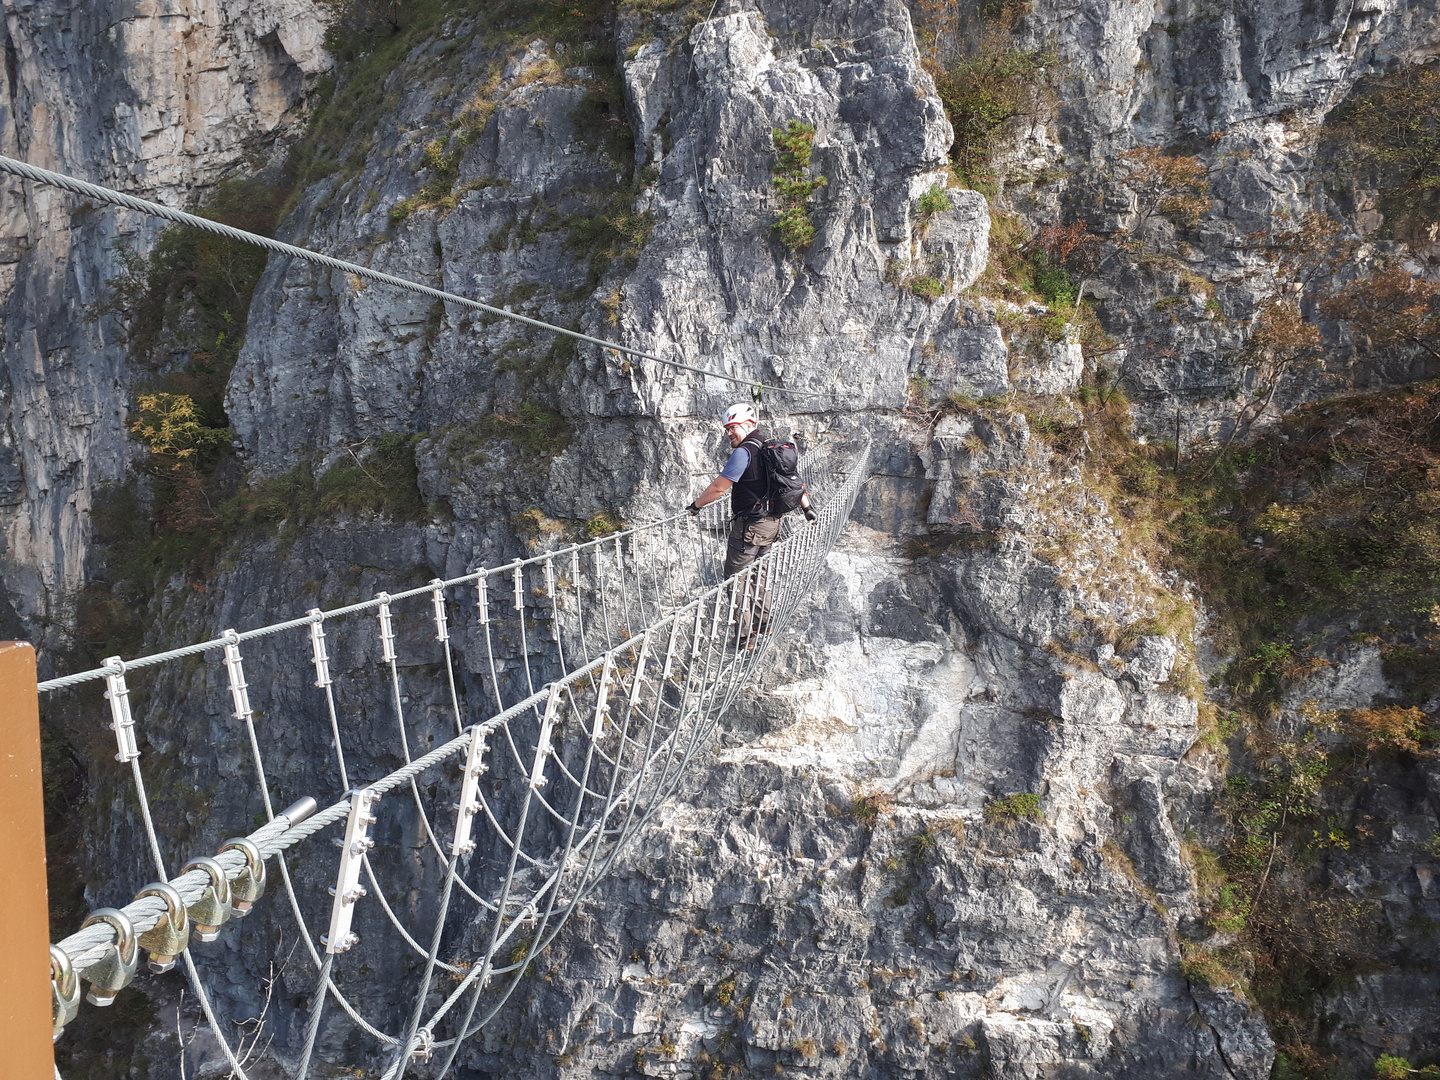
(171, 426)
(795, 143)
(1166, 186)
(1394, 126)
(1390, 308)
(1281, 343)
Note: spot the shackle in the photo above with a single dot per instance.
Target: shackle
(113, 971)
(171, 935)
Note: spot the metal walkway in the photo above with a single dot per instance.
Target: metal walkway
(595, 674)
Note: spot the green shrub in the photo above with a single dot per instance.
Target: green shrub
(986, 90)
(795, 144)
(601, 524)
(1013, 807)
(928, 288)
(1052, 281)
(1389, 132)
(933, 202)
(386, 480)
(866, 809)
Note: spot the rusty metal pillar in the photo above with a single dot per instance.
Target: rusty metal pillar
(25, 1020)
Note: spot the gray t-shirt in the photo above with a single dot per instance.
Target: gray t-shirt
(736, 466)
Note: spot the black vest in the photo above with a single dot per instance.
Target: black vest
(750, 497)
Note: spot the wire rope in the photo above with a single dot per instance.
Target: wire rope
(26, 171)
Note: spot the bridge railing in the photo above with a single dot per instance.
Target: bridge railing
(575, 699)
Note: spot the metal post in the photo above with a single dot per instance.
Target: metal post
(25, 1020)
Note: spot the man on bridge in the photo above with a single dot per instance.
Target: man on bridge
(754, 500)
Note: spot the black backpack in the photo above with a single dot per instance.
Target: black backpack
(781, 462)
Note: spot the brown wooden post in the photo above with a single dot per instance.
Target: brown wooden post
(25, 1020)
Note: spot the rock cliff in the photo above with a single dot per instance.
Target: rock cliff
(956, 832)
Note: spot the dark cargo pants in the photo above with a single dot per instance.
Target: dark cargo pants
(749, 539)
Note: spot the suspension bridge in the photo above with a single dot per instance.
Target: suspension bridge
(592, 678)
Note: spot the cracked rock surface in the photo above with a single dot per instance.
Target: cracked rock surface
(834, 891)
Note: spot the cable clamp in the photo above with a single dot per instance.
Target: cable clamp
(64, 991)
(437, 598)
(348, 889)
(387, 628)
(519, 587)
(235, 669)
(424, 1045)
(320, 657)
(482, 603)
(469, 804)
(121, 722)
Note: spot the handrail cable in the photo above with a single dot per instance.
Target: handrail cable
(26, 171)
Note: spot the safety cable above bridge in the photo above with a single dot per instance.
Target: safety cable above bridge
(26, 171)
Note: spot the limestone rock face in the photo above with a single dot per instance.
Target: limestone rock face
(160, 100)
(1013, 901)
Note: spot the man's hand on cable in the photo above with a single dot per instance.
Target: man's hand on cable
(809, 512)
(692, 509)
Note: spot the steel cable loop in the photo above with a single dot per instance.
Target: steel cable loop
(630, 689)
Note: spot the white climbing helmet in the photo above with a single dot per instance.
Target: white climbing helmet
(741, 414)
